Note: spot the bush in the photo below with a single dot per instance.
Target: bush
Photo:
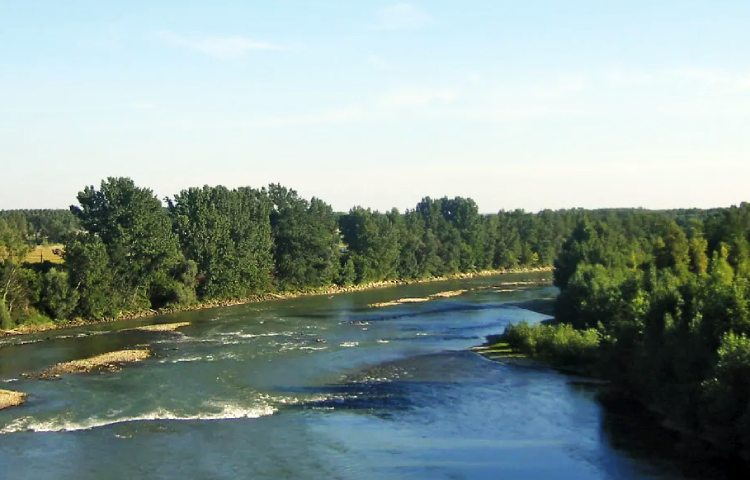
(558, 344)
(175, 289)
(6, 321)
(58, 298)
(36, 318)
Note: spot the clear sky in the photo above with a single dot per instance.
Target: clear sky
(518, 104)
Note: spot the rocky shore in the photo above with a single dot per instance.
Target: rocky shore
(330, 290)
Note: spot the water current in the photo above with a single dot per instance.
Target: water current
(317, 387)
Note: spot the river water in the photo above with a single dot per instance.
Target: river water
(316, 387)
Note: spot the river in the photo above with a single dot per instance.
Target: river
(316, 387)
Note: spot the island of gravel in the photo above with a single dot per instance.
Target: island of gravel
(111, 361)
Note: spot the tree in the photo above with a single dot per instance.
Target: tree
(452, 232)
(727, 394)
(44, 225)
(306, 240)
(6, 321)
(347, 273)
(136, 233)
(92, 278)
(373, 243)
(228, 235)
(14, 246)
(507, 242)
(58, 299)
(671, 249)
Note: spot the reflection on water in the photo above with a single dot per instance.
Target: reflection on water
(319, 387)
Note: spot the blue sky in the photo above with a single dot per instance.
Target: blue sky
(533, 104)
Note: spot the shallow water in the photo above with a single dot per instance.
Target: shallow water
(317, 387)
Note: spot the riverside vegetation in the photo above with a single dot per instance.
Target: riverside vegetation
(656, 301)
(125, 253)
(663, 311)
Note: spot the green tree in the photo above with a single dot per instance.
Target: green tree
(136, 232)
(228, 235)
(14, 246)
(727, 394)
(6, 321)
(347, 273)
(58, 299)
(306, 240)
(372, 240)
(92, 278)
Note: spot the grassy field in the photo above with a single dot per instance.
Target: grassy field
(45, 253)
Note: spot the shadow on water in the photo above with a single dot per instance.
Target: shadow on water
(360, 392)
(391, 387)
(627, 427)
(545, 306)
(406, 310)
(637, 432)
(378, 398)
(452, 307)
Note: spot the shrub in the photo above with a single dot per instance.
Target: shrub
(558, 344)
(6, 321)
(58, 298)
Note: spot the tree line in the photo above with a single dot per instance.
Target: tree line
(660, 306)
(43, 225)
(127, 251)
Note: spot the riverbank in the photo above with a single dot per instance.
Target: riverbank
(328, 290)
(575, 353)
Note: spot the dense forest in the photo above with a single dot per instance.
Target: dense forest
(661, 308)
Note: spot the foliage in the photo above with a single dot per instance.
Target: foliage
(45, 226)
(726, 394)
(6, 321)
(559, 344)
(14, 240)
(372, 241)
(125, 252)
(17, 285)
(92, 278)
(58, 298)
(347, 272)
(136, 232)
(674, 325)
(658, 301)
(227, 233)
(305, 238)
